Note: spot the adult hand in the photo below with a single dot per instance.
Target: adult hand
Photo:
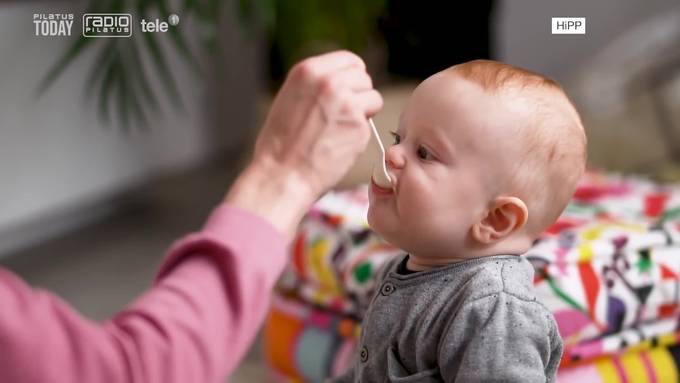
(314, 132)
(317, 124)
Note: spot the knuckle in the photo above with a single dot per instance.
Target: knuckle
(304, 70)
(345, 103)
(329, 86)
(359, 61)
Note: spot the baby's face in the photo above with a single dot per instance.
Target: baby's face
(448, 160)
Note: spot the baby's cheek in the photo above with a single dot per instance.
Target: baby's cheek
(423, 203)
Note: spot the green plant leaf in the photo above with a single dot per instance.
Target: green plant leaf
(105, 89)
(141, 76)
(107, 53)
(121, 74)
(268, 13)
(128, 103)
(58, 68)
(138, 93)
(166, 77)
(244, 11)
(122, 99)
(76, 48)
(189, 6)
(178, 39)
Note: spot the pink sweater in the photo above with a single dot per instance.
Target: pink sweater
(194, 325)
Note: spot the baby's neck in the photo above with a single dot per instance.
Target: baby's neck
(416, 263)
(508, 247)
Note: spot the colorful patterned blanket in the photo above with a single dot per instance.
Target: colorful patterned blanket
(608, 269)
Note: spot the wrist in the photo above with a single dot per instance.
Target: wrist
(273, 192)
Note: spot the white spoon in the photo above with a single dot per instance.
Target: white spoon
(380, 175)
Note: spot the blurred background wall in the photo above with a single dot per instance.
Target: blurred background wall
(522, 37)
(623, 74)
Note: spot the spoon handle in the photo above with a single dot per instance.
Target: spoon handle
(380, 174)
(377, 137)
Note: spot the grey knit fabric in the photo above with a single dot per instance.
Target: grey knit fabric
(472, 321)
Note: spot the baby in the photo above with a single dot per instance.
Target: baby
(485, 158)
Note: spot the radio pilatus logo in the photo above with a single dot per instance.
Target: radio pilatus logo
(107, 25)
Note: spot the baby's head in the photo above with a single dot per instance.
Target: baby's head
(486, 156)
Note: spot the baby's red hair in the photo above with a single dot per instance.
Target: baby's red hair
(554, 140)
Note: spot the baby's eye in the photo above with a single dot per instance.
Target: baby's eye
(397, 138)
(423, 153)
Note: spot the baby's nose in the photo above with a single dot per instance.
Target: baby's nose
(394, 157)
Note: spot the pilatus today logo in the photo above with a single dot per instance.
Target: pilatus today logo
(53, 24)
(107, 25)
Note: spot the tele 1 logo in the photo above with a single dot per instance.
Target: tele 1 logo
(159, 26)
(107, 25)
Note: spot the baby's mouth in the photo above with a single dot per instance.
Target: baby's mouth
(379, 190)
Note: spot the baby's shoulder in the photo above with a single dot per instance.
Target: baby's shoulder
(507, 284)
(513, 276)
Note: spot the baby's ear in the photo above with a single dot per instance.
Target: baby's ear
(506, 215)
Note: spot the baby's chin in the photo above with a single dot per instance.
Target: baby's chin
(376, 223)
(408, 240)
(387, 232)
(370, 217)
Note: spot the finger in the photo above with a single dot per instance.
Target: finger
(349, 107)
(352, 79)
(333, 61)
(370, 102)
(358, 107)
(317, 67)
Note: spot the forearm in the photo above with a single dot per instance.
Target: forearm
(194, 325)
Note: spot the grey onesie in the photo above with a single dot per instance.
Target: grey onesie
(473, 321)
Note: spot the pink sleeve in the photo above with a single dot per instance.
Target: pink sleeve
(193, 325)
